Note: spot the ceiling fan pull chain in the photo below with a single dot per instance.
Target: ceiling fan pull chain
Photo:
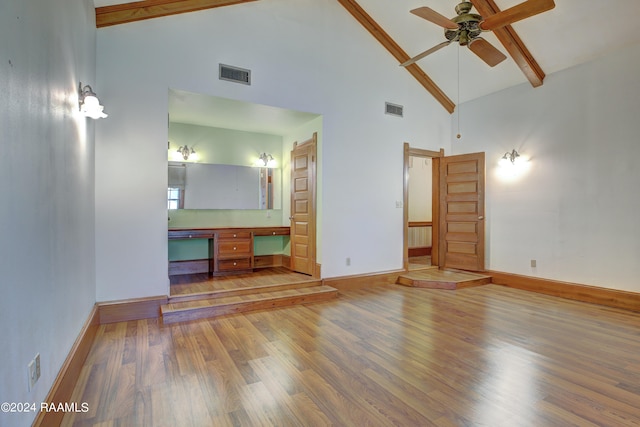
(458, 100)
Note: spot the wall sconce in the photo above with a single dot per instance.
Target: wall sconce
(512, 166)
(266, 159)
(511, 156)
(185, 151)
(88, 103)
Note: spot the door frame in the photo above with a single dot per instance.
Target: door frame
(435, 205)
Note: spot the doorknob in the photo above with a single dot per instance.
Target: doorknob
(291, 218)
(480, 217)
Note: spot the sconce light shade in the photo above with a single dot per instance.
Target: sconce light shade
(89, 104)
(266, 159)
(511, 156)
(186, 151)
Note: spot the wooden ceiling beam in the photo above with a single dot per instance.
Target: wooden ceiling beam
(148, 9)
(513, 44)
(400, 55)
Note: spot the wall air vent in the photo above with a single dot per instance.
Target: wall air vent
(234, 74)
(393, 109)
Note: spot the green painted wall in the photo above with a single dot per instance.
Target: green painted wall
(182, 250)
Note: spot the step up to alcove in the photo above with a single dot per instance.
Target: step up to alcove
(442, 279)
(244, 290)
(211, 307)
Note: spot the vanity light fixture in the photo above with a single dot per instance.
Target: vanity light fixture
(186, 151)
(267, 159)
(88, 103)
(511, 156)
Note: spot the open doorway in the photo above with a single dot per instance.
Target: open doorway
(421, 201)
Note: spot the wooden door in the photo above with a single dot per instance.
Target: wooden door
(303, 207)
(462, 212)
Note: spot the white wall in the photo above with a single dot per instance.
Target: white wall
(575, 208)
(47, 193)
(305, 55)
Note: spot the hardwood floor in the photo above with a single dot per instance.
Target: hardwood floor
(388, 355)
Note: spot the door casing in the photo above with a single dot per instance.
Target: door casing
(435, 157)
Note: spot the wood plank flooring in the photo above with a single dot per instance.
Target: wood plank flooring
(389, 355)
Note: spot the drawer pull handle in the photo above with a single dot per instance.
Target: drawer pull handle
(234, 248)
(274, 233)
(235, 235)
(190, 236)
(235, 263)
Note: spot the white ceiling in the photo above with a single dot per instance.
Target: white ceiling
(574, 32)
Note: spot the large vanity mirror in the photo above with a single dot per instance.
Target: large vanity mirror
(217, 186)
(214, 146)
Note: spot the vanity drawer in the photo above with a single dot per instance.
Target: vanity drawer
(190, 234)
(234, 264)
(272, 231)
(234, 235)
(233, 248)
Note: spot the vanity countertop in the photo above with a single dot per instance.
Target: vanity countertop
(210, 232)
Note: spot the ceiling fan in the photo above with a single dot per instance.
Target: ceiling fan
(467, 27)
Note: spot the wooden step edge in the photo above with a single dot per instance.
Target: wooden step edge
(243, 291)
(480, 281)
(422, 268)
(478, 274)
(256, 296)
(443, 284)
(193, 313)
(405, 281)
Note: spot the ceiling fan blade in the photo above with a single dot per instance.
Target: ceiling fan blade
(516, 13)
(425, 53)
(486, 51)
(433, 16)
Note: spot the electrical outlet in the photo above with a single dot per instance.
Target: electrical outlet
(37, 359)
(33, 370)
(533, 263)
(348, 261)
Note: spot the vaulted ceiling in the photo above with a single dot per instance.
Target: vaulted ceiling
(574, 32)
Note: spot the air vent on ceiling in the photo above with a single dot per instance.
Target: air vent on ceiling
(235, 74)
(393, 109)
